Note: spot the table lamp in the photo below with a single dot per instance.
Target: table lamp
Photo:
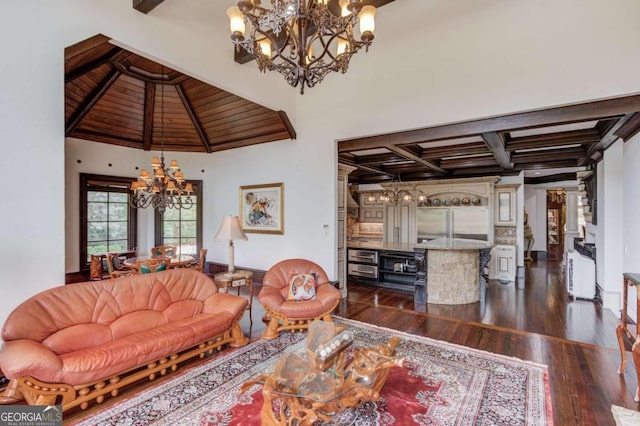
(230, 230)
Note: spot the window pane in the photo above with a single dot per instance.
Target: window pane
(96, 211)
(96, 196)
(118, 211)
(189, 246)
(188, 229)
(95, 248)
(171, 241)
(97, 231)
(190, 214)
(118, 197)
(118, 245)
(171, 229)
(117, 230)
(171, 214)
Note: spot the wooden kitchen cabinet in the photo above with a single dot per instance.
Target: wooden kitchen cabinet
(505, 206)
(371, 208)
(502, 265)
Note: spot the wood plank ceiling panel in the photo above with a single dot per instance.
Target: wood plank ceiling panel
(116, 96)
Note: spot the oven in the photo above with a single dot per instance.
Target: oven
(363, 263)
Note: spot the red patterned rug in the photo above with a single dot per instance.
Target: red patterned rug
(440, 384)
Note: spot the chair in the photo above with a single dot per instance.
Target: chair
(115, 268)
(163, 251)
(202, 258)
(295, 314)
(156, 264)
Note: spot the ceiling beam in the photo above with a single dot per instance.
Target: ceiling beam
(145, 6)
(90, 101)
(90, 66)
(630, 128)
(149, 106)
(596, 150)
(196, 123)
(575, 137)
(460, 150)
(549, 178)
(411, 156)
(365, 168)
(495, 143)
(524, 120)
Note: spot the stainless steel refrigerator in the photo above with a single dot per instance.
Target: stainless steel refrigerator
(470, 222)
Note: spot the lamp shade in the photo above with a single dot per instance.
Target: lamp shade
(230, 229)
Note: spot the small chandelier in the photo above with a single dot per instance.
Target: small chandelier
(167, 187)
(301, 39)
(396, 195)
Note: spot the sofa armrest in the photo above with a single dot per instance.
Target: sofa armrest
(27, 358)
(225, 302)
(271, 297)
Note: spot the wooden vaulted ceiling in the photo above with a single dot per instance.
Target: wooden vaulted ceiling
(548, 145)
(118, 97)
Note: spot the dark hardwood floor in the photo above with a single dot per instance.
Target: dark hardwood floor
(532, 320)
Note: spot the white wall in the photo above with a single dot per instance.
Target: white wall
(610, 234)
(432, 62)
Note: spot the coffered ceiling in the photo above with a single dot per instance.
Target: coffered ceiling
(548, 145)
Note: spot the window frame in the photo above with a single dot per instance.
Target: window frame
(111, 184)
(159, 223)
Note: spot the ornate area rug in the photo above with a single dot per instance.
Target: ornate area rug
(440, 384)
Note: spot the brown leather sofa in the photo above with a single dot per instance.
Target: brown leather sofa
(74, 344)
(295, 314)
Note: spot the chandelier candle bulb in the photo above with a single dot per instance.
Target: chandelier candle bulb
(265, 47)
(236, 22)
(367, 22)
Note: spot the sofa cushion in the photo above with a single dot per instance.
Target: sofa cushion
(302, 287)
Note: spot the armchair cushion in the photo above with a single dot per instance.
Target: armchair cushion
(302, 286)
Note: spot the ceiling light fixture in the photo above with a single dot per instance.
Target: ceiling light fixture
(302, 39)
(167, 187)
(397, 195)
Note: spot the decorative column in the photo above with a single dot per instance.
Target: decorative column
(420, 286)
(571, 221)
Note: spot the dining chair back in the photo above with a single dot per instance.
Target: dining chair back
(202, 258)
(163, 251)
(157, 264)
(114, 266)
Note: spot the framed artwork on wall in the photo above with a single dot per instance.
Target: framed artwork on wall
(262, 208)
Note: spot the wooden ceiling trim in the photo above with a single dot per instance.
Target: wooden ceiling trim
(525, 120)
(411, 156)
(100, 61)
(149, 106)
(194, 119)
(90, 101)
(469, 162)
(609, 137)
(284, 118)
(549, 178)
(545, 165)
(98, 137)
(378, 158)
(455, 151)
(146, 6)
(586, 136)
(550, 154)
(630, 128)
(366, 168)
(239, 143)
(495, 143)
(481, 171)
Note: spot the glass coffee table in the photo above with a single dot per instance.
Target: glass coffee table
(324, 381)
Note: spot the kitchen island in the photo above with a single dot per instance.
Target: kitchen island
(453, 267)
(447, 269)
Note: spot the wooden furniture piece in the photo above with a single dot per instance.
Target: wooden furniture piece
(240, 278)
(622, 330)
(295, 314)
(202, 258)
(155, 264)
(118, 332)
(302, 391)
(96, 268)
(115, 268)
(177, 261)
(163, 251)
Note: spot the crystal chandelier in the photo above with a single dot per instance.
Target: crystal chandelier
(167, 187)
(302, 39)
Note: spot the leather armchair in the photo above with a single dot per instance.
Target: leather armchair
(295, 314)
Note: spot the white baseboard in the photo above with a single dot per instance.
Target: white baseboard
(612, 300)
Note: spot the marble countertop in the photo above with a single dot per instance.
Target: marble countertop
(437, 244)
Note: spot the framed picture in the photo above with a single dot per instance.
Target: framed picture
(262, 208)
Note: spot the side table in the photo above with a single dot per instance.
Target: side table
(630, 279)
(237, 279)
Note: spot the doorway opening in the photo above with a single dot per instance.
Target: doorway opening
(556, 213)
